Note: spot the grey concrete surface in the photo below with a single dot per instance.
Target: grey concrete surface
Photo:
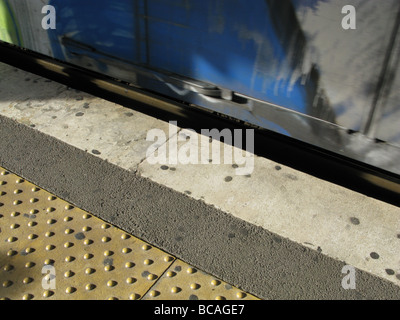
(248, 256)
(317, 214)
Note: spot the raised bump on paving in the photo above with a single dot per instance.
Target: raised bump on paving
(50, 249)
(184, 282)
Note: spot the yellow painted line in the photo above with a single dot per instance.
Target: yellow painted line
(50, 249)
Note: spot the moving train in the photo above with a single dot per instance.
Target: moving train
(324, 72)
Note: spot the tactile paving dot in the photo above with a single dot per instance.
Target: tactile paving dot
(51, 250)
(183, 282)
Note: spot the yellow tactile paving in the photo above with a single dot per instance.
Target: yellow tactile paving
(50, 249)
(183, 282)
(88, 258)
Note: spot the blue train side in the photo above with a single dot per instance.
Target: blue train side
(288, 66)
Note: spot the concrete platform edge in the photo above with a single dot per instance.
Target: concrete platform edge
(272, 268)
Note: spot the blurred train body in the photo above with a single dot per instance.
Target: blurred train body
(288, 66)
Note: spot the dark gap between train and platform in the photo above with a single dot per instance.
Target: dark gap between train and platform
(255, 260)
(320, 163)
